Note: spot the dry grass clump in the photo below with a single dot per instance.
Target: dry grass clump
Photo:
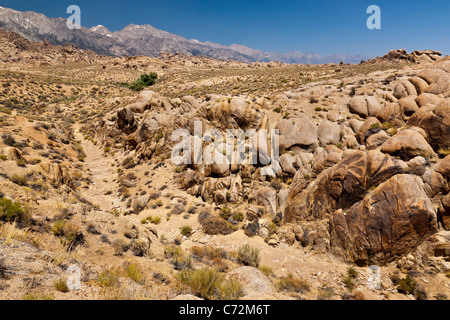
(210, 284)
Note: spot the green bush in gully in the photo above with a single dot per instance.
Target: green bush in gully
(146, 80)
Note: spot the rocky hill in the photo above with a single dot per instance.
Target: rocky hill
(94, 203)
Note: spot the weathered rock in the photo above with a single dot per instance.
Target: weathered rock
(358, 105)
(404, 88)
(392, 113)
(12, 153)
(300, 133)
(387, 224)
(408, 144)
(408, 105)
(376, 140)
(432, 75)
(340, 186)
(426, 99)
(329, 133)
(288, 163)
(369, 127)
(57, 174)
(126, 121)
(441, 86)
(253, 281)
(436, 123)
(444, 168)
(420, 84)
(444, 212)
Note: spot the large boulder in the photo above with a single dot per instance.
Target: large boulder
(299, 132)
(254, 282)
(404, 88)
(408, 144)
(364, 106)
(126, 121)
(444, 212)
(329, 133)
(57, 174)
(436, 122)
(386, 225)
(340, 186)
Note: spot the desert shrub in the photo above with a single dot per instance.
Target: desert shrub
(139, 248)
(349, 280)
(209, 283)
(238, 216)
(61, 285)
(293, 284)
(21, 163)
(3, 268)
(8, 139)
(120, 246)
(407, 285)
(213, 225)
(134, 272)
(177, 257)
(266, 270)
(186, 231)
(248, 255)
(359, 295)
(18, 179)
(225, 213)
(11, 211)
(3, 157)
(36, 145)
(33, 296)
(108, 279)
(69, 233)
(146, 80)
(208, 252)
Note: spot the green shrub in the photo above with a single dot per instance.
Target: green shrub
(407, 285)
(69, 232)
(3, 157)
(248, 255)
(238, 216)
(186, 231)
(146, 80)
(349, 280)
(12, 211)
(225, 213)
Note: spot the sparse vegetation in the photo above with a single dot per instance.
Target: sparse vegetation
(18, 179)
(293, 284)
(61, 286)
(210, 284)
(248, 255)
(11, 211)
(186, 231)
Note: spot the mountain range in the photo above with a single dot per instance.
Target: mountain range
(146, 40)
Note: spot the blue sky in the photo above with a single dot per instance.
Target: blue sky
(325, 27)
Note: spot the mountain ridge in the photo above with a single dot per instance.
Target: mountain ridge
(147, 40)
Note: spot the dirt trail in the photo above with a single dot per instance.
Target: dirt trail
(102, 173)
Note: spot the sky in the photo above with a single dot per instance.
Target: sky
(318, 26)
